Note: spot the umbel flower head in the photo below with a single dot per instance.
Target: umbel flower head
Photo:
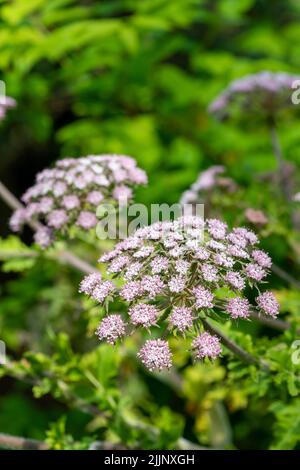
(208, 180)
(69, 194)
(172, 275)
(6, 102)
(263, 94)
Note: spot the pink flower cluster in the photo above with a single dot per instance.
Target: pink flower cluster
(263, 93)
(206, 345)
(6, 102)
(68, 194)
(209, 179)
(173, 274)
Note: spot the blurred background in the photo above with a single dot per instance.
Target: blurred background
(133, 77)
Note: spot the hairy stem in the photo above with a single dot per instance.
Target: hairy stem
(235, 348)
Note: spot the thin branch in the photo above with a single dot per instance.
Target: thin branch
(282, 177)
(105, 445)
(235, 348)
(275, 323)
(9, 198)
(21, 443)
(280, 161)
(76, 262)
(15, 204)
(65, 256)
(285, 276)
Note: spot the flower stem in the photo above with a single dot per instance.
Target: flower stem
(280, 161)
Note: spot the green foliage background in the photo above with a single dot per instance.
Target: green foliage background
(136, 77)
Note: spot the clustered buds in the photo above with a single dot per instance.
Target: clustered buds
(68, 194)
(264, 93)
(173, 275)
(256, 216)
(208, 180)
(6, 102)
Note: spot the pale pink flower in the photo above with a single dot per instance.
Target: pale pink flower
(102, 291)
(133, 270)
(71, 202)
(152, 285)
(203, 297)
(256, 217)
(90, 282)
(262, 258)
(182, 266)
(202, 254)
(143, 314)
(177, 284)
(238, 252)
(122, 194)
(222, 260)
(256, 272)
(216, 228)
(46, 205)
(131, 290)
(184, 288)
(57, 219)
(69, 193)
(18, 219)
(159, 264)
(238, 307)
(59, 188)
(43, 237)
(235, 280)
(268, 303)
(206, 345)
(87, 220)
(118, 264)
(111, 329)
(94, 198)
(181, 318)
(156, 355)
(209, 272)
